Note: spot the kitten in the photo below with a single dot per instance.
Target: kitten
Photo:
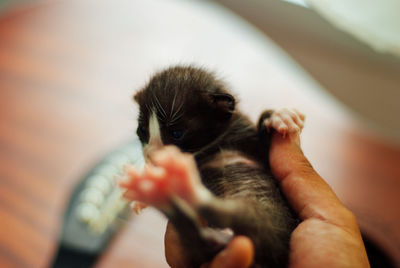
(220, 177)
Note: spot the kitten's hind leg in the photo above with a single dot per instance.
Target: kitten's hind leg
(201, 243)
(171, 173)
(172, 184)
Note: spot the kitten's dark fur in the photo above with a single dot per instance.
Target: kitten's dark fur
(197, 113)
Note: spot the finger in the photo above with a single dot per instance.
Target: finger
(309, 195)
(174, 252)
(238, 254)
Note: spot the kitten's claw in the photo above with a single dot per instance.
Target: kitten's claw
(171, 173)
(285, 121)
(137, 207)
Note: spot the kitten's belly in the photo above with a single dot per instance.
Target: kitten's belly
(230, 157)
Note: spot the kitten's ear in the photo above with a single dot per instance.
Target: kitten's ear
(224, 103)
(137, 96)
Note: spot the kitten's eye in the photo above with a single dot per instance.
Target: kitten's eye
(177, 134)
(142, 129)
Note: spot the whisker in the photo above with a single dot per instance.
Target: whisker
(214, 142)
(148, 107)
(175, 119)
(162, 111)
(141, 118)
(173, 103)
(154, 110)
(177, 111)
(159, 118)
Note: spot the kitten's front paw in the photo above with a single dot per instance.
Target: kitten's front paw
(171, 173)
(285, 121)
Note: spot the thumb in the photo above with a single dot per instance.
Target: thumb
(238, 254)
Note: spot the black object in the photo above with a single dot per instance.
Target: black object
(95, 211)
(377, 257)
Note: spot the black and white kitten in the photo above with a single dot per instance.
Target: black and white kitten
(220, 177)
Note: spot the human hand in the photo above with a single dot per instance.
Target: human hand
(328, 234)
(238, 254)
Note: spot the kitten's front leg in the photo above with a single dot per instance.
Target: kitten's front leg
(284, 121)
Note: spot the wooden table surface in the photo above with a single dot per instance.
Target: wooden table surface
(68, 71)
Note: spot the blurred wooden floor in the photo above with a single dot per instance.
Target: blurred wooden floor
(67, 73)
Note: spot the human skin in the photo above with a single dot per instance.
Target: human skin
(328, 235)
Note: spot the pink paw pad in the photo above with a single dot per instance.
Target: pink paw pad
(286, 121)
(147, 186)
(171, 173)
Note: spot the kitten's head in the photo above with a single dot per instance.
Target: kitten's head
(184, 106)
